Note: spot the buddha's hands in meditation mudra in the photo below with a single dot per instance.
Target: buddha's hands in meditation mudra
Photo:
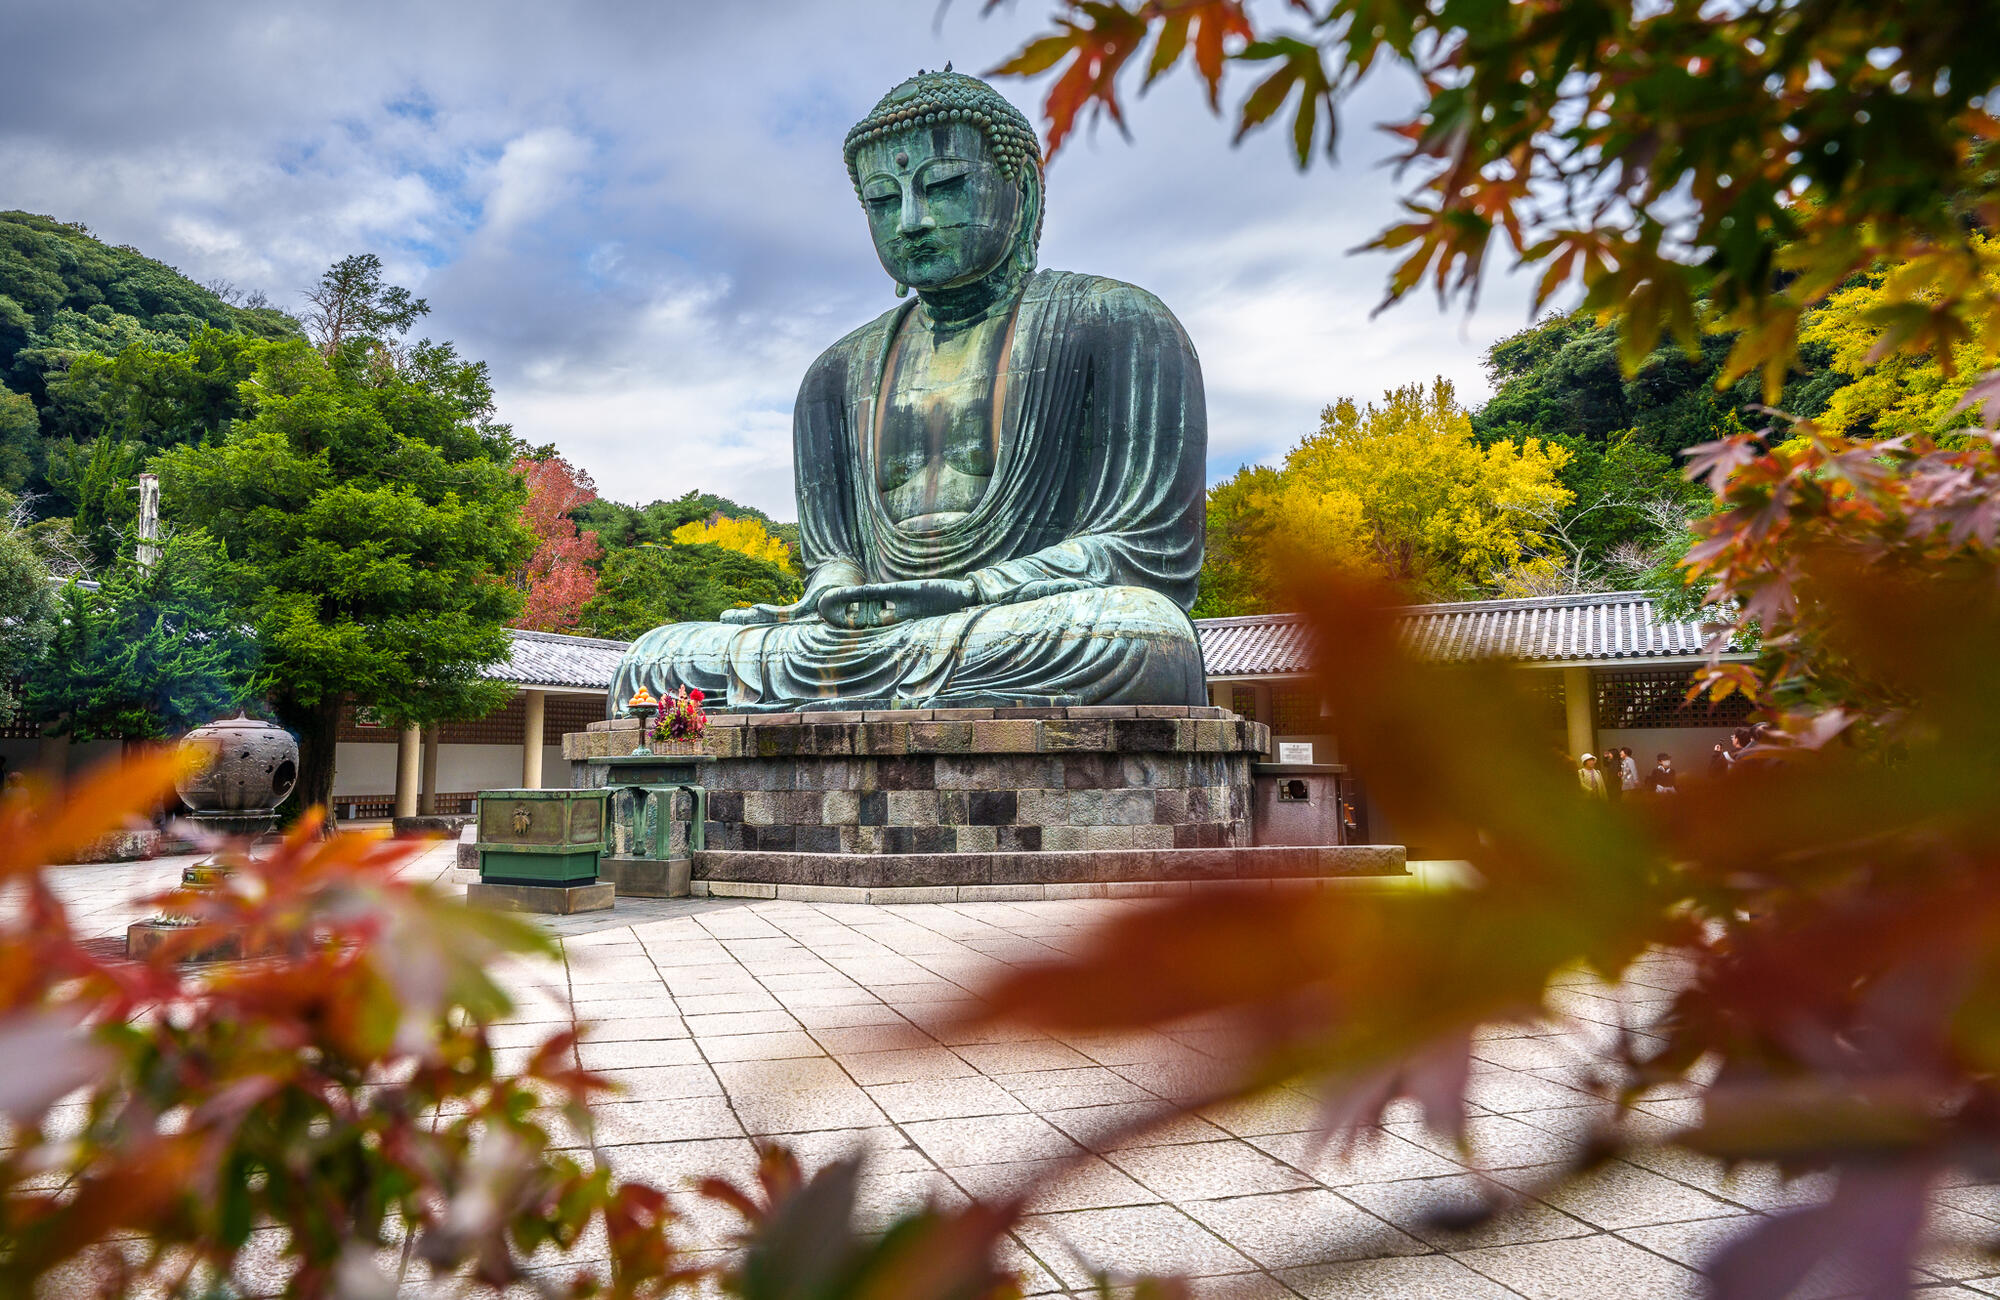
(875, 604)
(879, 604)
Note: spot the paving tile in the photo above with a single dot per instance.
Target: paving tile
(905, 1066)
(674, 1166)
(892, 1035)
(1086, 1184)
(1425, 1277)
(865, 1013)
(1204, 1170)
(1463, 1211)
(1155, 1239)
(880, 1198)
(1279, 1111)
(633, 1028)
(1496, 1142)
(1529, 1053)
(1111, 1128)
(769, 1113)
(711, 1004)
(1372, 1157)
(670, 1120)
(1013, 1058)
(1293, 1229)
(607, 1009)
(1617, 1195)
(1508, 1091)
(660, 1082)
(644, 1052)
(884, 1150)
(944, 1098)
(727, 1023)
(990, 1139)
(788, 1074)
(1044, 1090)
(760, 1047)
(1600, 1268)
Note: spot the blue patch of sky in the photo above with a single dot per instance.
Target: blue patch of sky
(414, 104)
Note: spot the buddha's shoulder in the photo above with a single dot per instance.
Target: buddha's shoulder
(1121, 310)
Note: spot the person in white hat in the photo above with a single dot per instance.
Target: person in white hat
(1590, 778)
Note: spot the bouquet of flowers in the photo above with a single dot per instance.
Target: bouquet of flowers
(680, 716)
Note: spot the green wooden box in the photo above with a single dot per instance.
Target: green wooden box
(540, 837)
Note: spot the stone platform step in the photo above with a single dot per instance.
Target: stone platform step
(744, 873)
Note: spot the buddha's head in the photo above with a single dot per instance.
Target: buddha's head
(950, 177)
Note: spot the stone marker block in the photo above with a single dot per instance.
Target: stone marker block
(547, 900)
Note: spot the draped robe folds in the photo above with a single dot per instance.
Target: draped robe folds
(1085, 549)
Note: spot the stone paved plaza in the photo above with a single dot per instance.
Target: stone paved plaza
(829, 1027)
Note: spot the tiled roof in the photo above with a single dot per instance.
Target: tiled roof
(1542, 629)
(550, 659)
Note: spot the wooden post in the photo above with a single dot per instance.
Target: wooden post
(1580, 712)
(409, 771)
(531, 739)
(427, 795)
(149, 520)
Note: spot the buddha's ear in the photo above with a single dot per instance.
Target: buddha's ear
(1028, 233)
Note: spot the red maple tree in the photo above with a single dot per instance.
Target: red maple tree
(559, 577)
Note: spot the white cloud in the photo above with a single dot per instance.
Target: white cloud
(638, 215)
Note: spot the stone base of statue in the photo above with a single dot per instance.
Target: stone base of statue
(545, 900)
(646, 877)
(920, 781)
(914, 805)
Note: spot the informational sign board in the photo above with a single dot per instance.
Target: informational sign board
(1295, 751)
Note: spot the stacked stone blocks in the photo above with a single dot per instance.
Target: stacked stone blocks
(968, 780)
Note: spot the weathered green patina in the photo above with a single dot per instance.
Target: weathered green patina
(999, 483)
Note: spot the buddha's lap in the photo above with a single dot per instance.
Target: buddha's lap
(1109, 614)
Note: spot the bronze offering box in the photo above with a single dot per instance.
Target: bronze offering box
(540, 837)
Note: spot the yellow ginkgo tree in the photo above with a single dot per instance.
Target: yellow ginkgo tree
(746, 536)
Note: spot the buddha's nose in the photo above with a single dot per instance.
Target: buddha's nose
(916, 216)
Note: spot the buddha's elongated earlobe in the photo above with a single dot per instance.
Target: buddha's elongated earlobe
(902, 290)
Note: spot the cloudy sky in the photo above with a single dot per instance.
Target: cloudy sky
(638, 213)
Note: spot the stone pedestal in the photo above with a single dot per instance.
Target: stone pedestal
(978, 781)
(547, 900)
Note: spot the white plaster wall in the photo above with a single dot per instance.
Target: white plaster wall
(25, 755)
(361, 769)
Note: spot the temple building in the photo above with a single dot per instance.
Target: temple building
(1613, 669)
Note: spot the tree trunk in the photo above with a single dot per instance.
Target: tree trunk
(316, 726)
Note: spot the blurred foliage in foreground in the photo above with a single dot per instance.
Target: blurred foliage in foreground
(1835, 903)
(330, 1113)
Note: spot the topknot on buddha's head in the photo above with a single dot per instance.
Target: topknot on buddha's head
(941, 98)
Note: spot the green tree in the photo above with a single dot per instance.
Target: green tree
(27, 605)
(64, 293)
(97, 482)
(372, 513)
(619, 526)
(641, 587)
(1232, 577)
(20, 440)
(157, 397)
(351, 303)
(152, 652)
(1689, 166)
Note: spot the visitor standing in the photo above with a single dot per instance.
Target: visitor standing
(1628, 772)
(1590, 778)
(1661, 779)
(1718, 762)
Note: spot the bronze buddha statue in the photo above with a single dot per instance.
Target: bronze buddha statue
(1000, 483)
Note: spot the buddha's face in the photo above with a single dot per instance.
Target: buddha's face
(938, 208)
